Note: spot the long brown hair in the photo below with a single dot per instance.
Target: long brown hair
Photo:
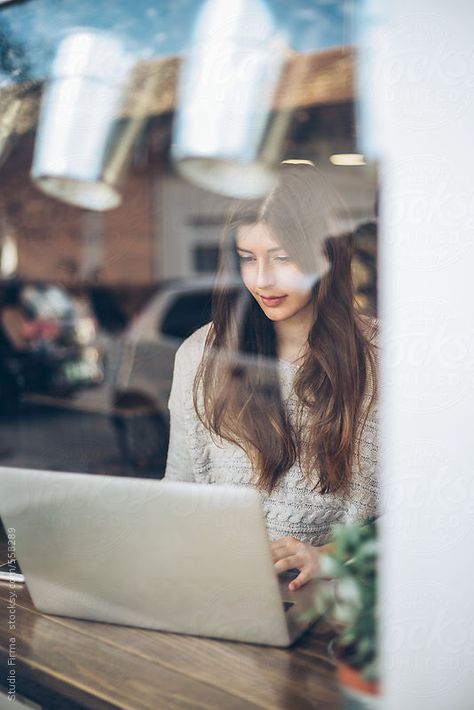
(237, 392)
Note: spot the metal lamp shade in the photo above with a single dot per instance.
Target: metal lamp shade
(78, 133)
(228, 81)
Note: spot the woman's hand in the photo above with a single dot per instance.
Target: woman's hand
(289, 553)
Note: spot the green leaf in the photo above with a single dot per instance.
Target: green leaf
(353, 564)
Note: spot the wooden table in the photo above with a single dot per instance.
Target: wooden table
(70, 664)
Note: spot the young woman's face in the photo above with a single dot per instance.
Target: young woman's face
(276, 282)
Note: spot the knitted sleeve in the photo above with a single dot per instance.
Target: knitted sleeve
(178, 464)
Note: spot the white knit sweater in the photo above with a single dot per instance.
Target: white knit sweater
(293, 508)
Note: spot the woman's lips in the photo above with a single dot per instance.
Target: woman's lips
(272, 301)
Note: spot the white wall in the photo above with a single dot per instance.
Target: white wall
(179, 203)
(426, 92)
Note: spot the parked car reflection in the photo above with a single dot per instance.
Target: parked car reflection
(47, 343)
(143, 382)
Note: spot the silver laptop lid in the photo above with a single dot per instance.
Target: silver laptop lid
(181, 557)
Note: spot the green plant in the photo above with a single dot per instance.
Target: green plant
(352, 563)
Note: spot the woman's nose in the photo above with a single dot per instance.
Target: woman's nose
(265, 275)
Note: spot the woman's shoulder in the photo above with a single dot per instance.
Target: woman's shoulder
(370, 328)
(191, 350)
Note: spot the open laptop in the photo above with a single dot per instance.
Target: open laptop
(181, 557)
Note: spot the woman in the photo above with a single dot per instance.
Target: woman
(278, 392)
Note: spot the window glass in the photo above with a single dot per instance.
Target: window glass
(186, 314)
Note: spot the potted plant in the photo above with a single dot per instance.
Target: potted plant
(352, 564)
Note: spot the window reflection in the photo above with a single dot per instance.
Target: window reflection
(144, 271)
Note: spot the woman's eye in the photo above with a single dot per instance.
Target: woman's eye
(282, 259)
(245, 259)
